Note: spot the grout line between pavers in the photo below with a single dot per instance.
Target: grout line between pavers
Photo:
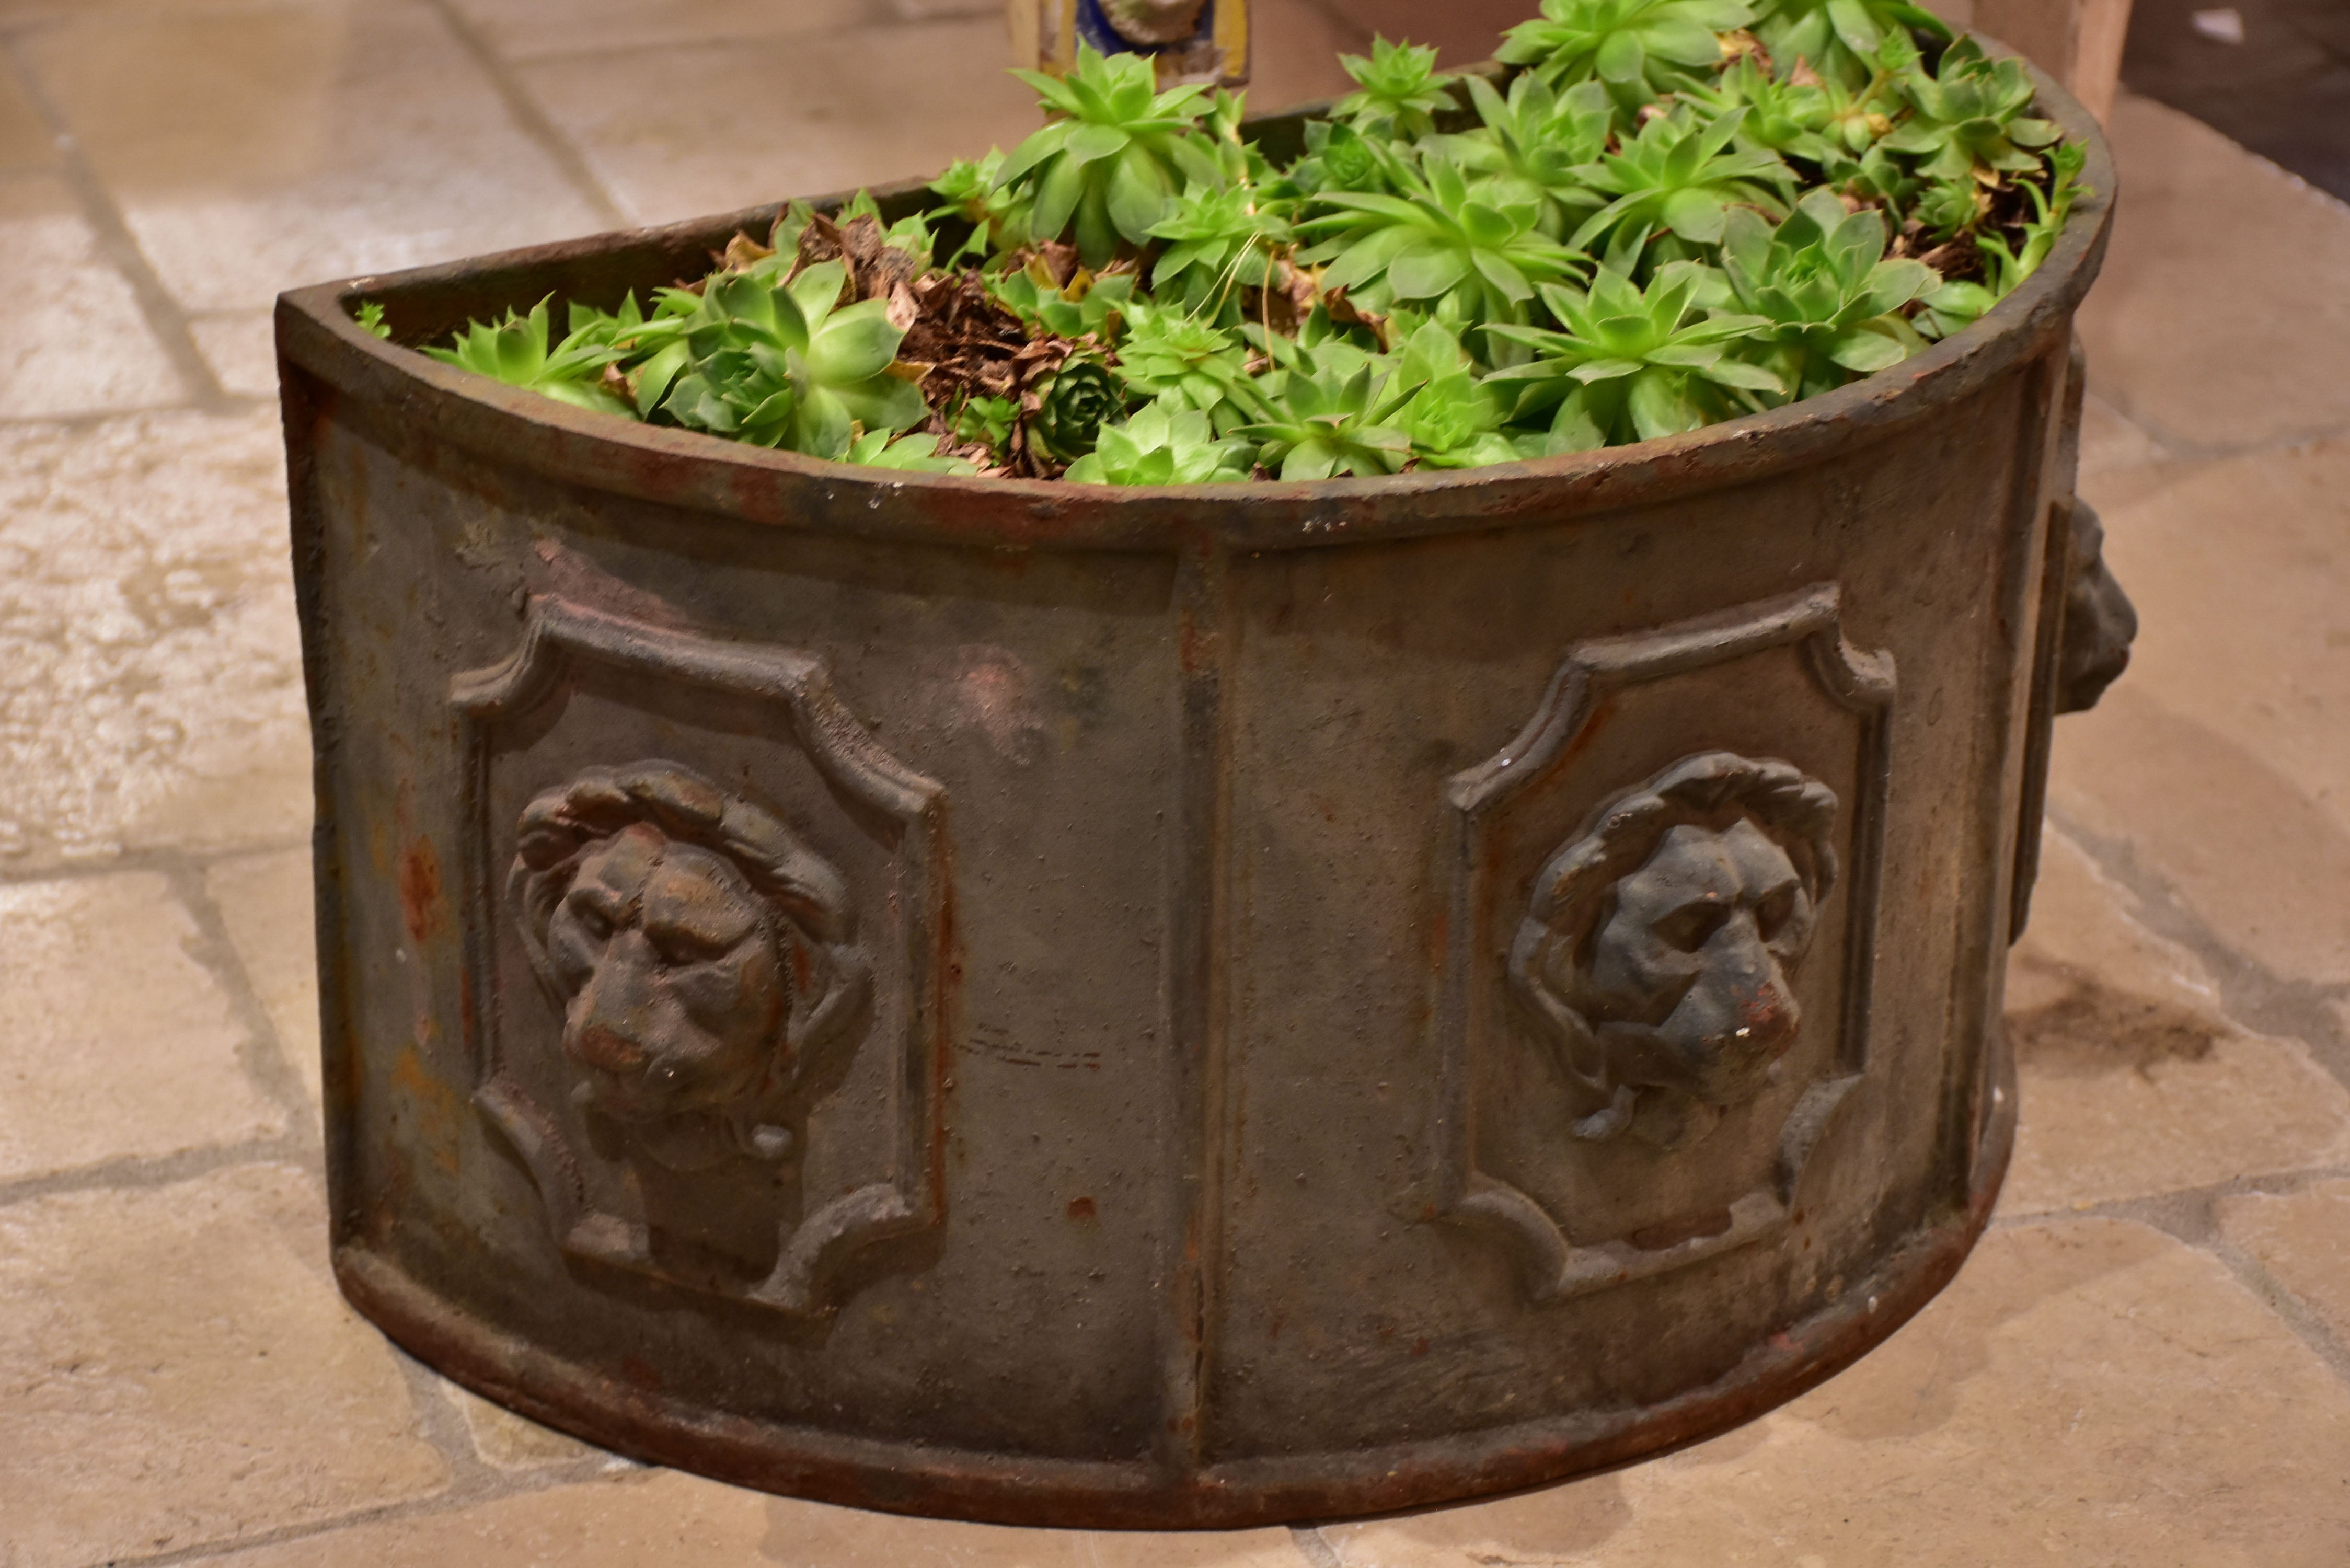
(165, 320)
(159, 860)
(136, 1172)
(446, 1500)
(2191, 1216)
(2251, 995)
(262, 1053)
(533, 121)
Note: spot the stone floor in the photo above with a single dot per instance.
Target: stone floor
(2148, 1362)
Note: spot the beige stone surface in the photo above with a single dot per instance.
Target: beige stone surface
(2086, 1394)
(118, 1044)
(242, 350)
(2110, 443)
(265, 901)
(25, 139)
(2132, 1081)
(2302, 1238)
(176, 1369)
(253, 150)
(72, 339)
(2205, 365)
(683, 132)
(536, 29)
(506, 1441)
(154, 689)
(664, 1519)
(2223, 756)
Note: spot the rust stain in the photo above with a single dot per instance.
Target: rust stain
(1081, 1209)
(420, 903)
(440, 1109)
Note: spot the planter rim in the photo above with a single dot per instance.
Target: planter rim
(316, 332)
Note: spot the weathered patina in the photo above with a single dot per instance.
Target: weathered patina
(1167, 1008)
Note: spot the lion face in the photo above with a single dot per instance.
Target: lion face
(1688, 975)
(675, 995)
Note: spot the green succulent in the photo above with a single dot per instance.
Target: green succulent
(1331, 410)
(905, 454)
(1076, 401)
(1167, 355)
(986, 421)
(1091, 305)
(1839, 39)
(1110, 168)
(780, 363)
(2050, 209)
(370, 320)
(1163, 445)
(1970, 118)
(1822, 122)
(1631, 365)
(1678, 174)
(971, 193)
(1540, 139)
(1219, 244)
(1454, 419)
(1337, 157)
(1642, 49)
(1474, 252)
(515, 351)
(1399, 90)
(1832, 302)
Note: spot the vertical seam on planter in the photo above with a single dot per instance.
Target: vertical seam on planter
(2004, 687)
(1196, 1022)
(2055, 579)
(306, 414)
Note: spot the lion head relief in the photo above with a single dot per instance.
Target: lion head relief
(699, 952)
(1661, 943)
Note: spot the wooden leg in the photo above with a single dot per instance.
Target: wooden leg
(2078, 41)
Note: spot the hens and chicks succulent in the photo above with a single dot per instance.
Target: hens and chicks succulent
(1673, 213)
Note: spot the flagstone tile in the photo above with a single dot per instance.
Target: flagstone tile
(2223, 319)
(2223, 755)
(265, 901)
(241, 349)
(253, 150)
(2302, 1238)
(661, 1519)
(119, 1045)
(531, 29)
(2091, 1394)
(2134, 1083)
(177, 1371)
(683, 132)
(72, 337)
(154, 692)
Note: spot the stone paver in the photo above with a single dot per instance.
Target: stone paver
(118, 1045)
(252, 149)
(506, 1441)
(2188, 330)
(264, 900)
(176, 1369)
(25, 139)
(2223, 756)
(2089, 1395)
(76, 341)
(683, 131)
(2303, 1240)
(154, 690)
(2134, 1083)
(664, 1520)
(240, 348)
(536, 29)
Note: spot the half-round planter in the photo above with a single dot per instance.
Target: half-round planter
(1192, 1007)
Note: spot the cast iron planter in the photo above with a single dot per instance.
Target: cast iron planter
(1165, 1007)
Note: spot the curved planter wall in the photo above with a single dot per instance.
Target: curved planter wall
(1183, 1007)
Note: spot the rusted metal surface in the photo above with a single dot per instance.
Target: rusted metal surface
(1167, 1007)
